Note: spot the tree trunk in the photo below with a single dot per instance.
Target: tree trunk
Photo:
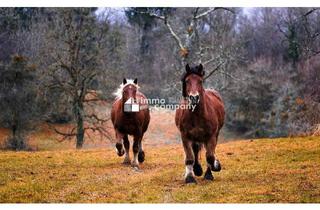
(14, 130)
(80, 129)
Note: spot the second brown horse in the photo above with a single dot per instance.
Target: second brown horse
(200, 126)
(129, 121)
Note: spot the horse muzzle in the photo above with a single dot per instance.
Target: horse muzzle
(194, 99)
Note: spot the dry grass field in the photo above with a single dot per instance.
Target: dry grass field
(261, 170)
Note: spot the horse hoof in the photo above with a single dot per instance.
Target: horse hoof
(121, 153)
(208, 175)
(126, 162)
(197, 169)
(134, 165)
(119, 149)
(216, 166)
(190, 179)
(141, 157)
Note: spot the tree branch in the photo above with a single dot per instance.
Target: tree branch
(212, 10)
(63, 134)
(152, 15)
(175, 36)
(309, 12)
(166, 22)
(214, 70)
(93, 116)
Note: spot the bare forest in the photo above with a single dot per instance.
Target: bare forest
(60, 66)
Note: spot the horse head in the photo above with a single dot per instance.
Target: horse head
(129, 89)
(192, 80)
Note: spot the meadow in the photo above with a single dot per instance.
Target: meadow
(253, 171)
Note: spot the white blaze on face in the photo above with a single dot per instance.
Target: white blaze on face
(194, 94)
(119, 91)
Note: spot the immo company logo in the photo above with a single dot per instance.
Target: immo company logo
(132, 105)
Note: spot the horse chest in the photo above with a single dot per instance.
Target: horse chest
(128, 126)
(198, 129)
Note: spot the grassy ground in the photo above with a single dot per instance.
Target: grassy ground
(267, 170)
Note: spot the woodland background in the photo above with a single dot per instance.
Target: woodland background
(57, 63)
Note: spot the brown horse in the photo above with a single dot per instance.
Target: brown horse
(200, 126)
(129, 121)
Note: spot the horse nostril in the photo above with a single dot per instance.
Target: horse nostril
(194, 99)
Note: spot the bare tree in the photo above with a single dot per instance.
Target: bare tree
(301, 32)
(191, 48)
(74, 51)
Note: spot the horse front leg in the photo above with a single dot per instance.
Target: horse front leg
(189, 161)
(197, 169)
(212, 163)
(126, 144)
(141, 154)
(119, 145)
(136, 148)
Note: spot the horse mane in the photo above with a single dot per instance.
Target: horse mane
(118, 92)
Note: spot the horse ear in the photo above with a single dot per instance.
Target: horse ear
(135, 81)
(124, 81)
(200, 69)
(188, 68)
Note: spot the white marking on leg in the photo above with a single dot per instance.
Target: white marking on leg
(189, 170)
(216, 164)
(135, 161)
(119, 152)
(209, 166)
(127, 157)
